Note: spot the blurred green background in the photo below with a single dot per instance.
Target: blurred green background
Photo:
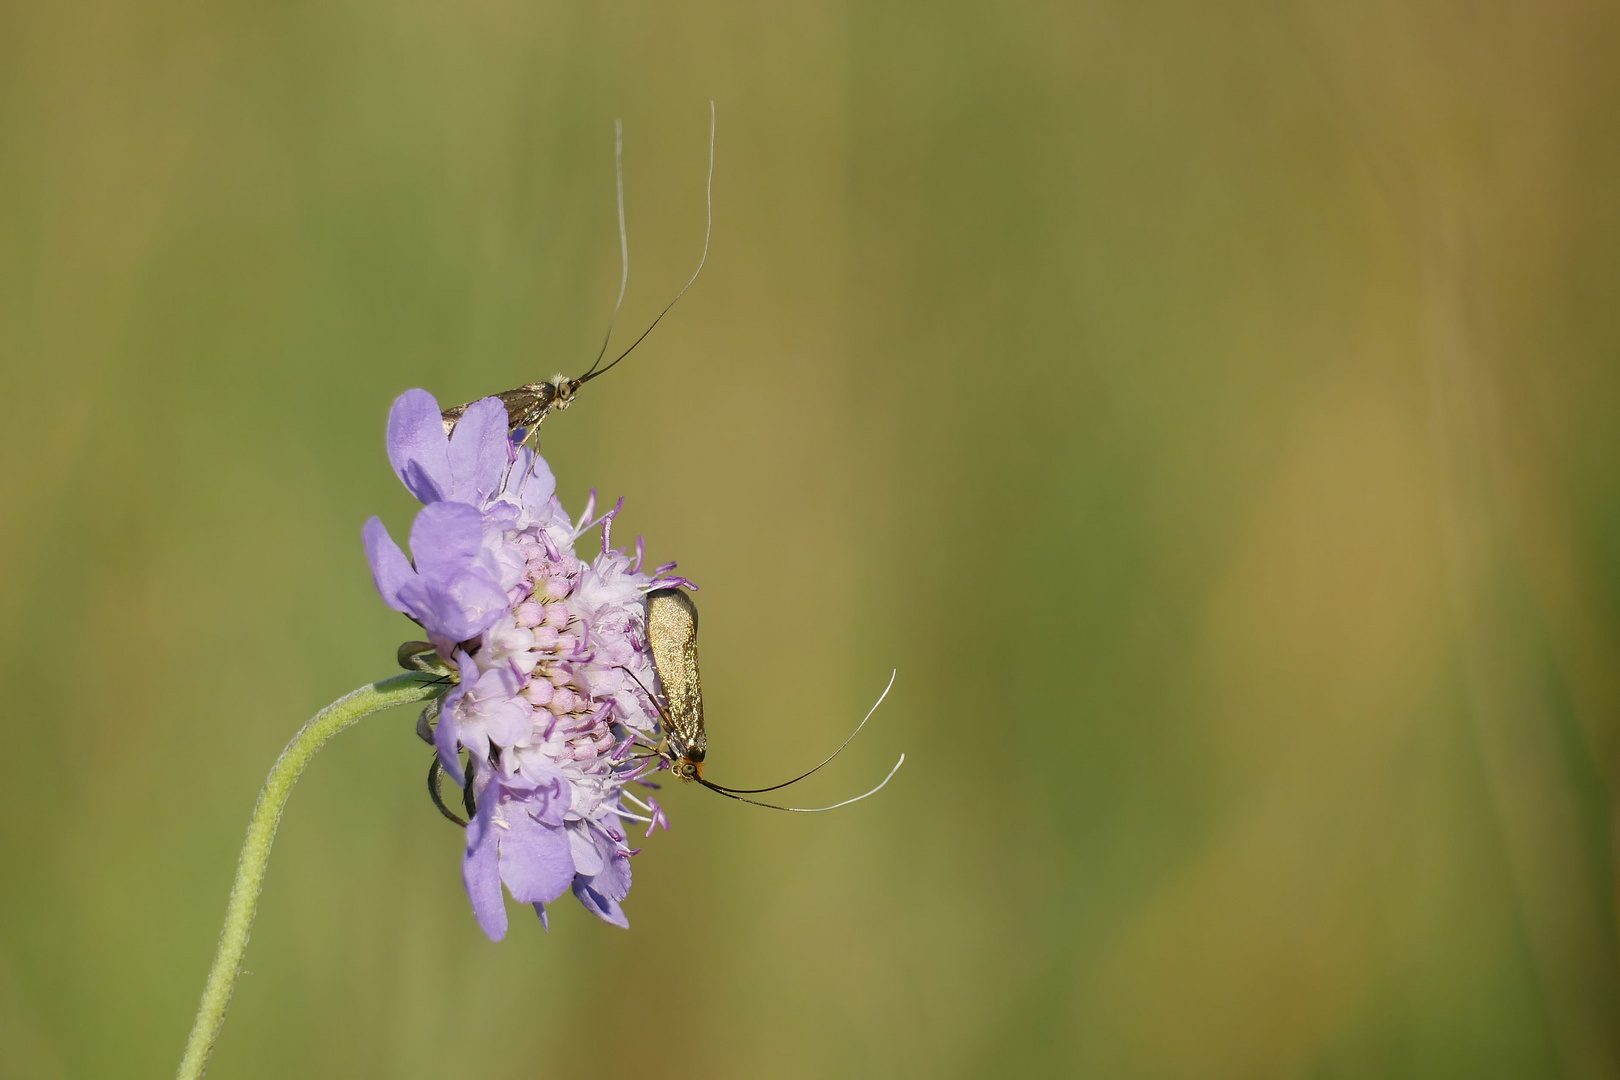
(1213, 412)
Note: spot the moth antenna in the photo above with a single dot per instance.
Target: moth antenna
(662, 713)
(805, 809)
(835, 753)
(708, 232)
(624, 245)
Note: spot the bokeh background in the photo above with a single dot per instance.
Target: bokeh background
(1212, 410)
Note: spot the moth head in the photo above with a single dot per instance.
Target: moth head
(565, 390)
(684, 761)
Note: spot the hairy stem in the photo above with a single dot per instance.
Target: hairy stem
(233, 939)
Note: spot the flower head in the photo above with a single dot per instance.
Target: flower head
(546, 648)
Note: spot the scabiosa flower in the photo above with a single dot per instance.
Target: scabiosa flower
(546, 650)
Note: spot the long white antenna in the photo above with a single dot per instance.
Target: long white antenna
(624, 239)
(808, 809)
(708, 233)
(835, 753)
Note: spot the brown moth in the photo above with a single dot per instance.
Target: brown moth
(529, 404)
(672, 622)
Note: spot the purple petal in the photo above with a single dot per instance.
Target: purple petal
(556, 796)
(418, 446)
(478, 452)
(389, 567)
(479, 867)
(505, 717)
(465, 608)
(535, 862)
(545, 793)
(448, 732)
(603, 907)
(508, 722)
(601, 892)
(614, 880)
(451, 594)
(538, 486)
(588, 857)
(446, 537)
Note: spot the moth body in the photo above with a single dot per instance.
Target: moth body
(526, 405)
(672, 637)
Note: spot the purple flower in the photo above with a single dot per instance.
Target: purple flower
(546, 650)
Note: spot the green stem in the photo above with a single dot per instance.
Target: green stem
(233, 939)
